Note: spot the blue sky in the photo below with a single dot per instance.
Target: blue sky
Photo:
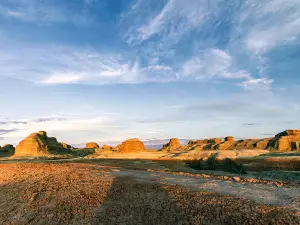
(108, 70)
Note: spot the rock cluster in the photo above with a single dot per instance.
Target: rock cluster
(38, 144)
(228, 143)
(288, 140)
(93, 145)
(131, 145)
(173, 144)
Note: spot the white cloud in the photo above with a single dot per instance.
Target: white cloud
(62, 79)
(173, 21)
(41, 12)
(261, 84)
(267, 24)
(52, 65)
(212, 63)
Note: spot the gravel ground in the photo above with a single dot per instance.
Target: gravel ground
(45, 193)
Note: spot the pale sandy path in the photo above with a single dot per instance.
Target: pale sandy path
(288, 197)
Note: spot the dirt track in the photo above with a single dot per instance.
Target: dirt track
(37, 193)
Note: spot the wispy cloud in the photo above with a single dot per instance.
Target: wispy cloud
(5, 131)
(262, 84)
(168, 41)
(212, 63)
(64, 65)
(42, 12)
(275, 22)
(175, 19)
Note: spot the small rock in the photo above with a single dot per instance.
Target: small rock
(236, 179)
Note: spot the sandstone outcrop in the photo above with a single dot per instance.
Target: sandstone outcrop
(245, 144)
(64, 145)
(288, 133)
(285, 141)
(107, 148)
(7, 150)
(288, 140)
(295, 146)
(225, 145)
(92, 145)
(191, 142)
(131, 145)
(173, 144)
(262, 143)
(229, 138)
(215, 141)
(38, 144)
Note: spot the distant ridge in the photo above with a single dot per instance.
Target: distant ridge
(149, 144)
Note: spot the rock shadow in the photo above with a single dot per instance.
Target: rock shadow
(132, 202)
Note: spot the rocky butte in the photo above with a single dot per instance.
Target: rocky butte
(93, 145)
(173, 144)
(131, 145)
(39, 144)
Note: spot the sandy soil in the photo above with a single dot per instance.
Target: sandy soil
(51, 193)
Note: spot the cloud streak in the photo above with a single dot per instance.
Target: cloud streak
(34, 11)
(212, 63)
(167, 41)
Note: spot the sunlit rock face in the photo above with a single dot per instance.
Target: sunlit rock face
(173, 144)
(131, 145)
(38, 144)
(92, 145)
(287, 140)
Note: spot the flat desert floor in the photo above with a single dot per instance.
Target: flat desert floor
(91, 193)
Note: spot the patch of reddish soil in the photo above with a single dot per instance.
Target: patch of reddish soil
(44, 193)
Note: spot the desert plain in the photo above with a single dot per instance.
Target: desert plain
(210, 181)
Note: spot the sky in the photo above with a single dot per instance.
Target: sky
(108, 70)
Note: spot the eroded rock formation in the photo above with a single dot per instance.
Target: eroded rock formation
(173, 144)
(66, 145)
(7, 150)
(131, 145)
(286, 141)
(38, 144)
(107, 148)
(92, 145)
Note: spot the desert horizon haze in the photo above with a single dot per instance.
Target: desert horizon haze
(92, 70)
